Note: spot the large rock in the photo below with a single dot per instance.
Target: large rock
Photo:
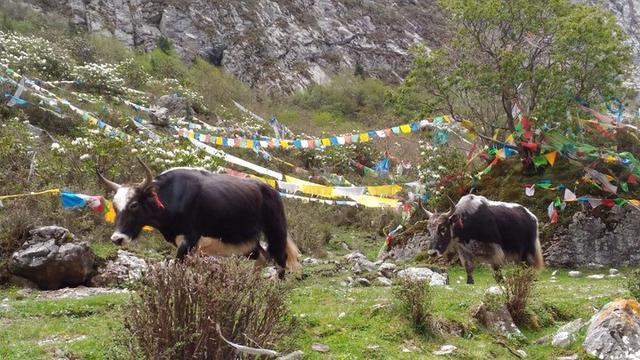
(408, 250)
(614, 332)
(496, 320)
(565, 335)
(587, 240)
(422, 274)
(52, 260)
(124, 269)
(361, 261)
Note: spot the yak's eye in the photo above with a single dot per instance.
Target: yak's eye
(442, 230)
(134, 205)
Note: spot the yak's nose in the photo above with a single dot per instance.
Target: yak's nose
(430, 252)
(118, 238)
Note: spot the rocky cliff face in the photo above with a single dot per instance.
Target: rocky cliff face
(589, 240)
(284, 45)
(278, 45)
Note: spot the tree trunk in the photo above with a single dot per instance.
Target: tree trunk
(507, 104)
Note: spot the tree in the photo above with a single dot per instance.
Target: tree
(542, 53)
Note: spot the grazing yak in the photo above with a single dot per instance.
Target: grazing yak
(491, 231)
(216, 214)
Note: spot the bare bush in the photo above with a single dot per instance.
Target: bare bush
(179, 304)
(518, 283)
(416, 299)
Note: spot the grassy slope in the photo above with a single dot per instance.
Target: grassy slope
(316, 303)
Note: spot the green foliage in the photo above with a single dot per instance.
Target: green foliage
(632, 283)
(216, 85)
(165, 45)
(133, 73)
(198, 295)
(346, 97)
(162, 65)
(415, 298)
(518, 283)
(438, 163)
(542, 52)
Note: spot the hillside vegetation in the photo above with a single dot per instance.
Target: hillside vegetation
(47, 145)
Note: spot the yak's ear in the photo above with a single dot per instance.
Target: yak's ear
(150, 189)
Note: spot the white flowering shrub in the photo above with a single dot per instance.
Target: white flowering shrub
(133, 73)
(439, 163)
(101, 77)
(34, 56)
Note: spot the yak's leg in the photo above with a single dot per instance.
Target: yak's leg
(185, 245)
(467, 261)
(261, 257)
(497, 273)
(497, 259)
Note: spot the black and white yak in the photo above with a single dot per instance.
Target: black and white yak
(490, 231)
(215, 214)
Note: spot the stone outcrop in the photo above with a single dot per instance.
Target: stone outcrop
(273, 44)
(52, 260)
(614, 332)
(496, 320)
(423, 274)
(120, 271)
(588, 240)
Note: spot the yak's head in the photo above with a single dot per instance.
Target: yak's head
(135, 206)
(439, 227)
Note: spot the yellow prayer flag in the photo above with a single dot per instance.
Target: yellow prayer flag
(291, 179)
(447, 118)
(110, 213)
(364, 137)
(325, 141)
(218, 140)
(249, 144)
(634, 202)
(191, 134)
(384, 190)
(318, 190)
(406, 129)
(376, 202)
(551, 157)
(284, 144)
(93, 121)
(267, 181)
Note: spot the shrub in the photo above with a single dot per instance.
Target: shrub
(34, 56)
(310, 233)
(416, 299)
(518, 283)
(632, 283)
(179, 304)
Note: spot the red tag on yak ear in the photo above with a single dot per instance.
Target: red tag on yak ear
(157, 199)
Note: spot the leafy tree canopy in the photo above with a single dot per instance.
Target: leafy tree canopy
(544, 53)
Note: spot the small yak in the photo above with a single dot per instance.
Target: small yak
(491, 231)
(215, 214)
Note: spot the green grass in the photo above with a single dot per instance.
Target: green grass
(317, 303)
(92, 322)
(372, 317)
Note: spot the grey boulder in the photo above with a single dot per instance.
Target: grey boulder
(614, 332)
(52, 260)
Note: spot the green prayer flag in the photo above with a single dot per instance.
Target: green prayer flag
(621, 202)
(545, 184)
(624, 186)
(557, 202)
(539, 160)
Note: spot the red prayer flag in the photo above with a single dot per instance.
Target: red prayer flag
(530, 146)
(632, 179)
(608, 202)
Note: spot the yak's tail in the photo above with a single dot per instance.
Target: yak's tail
(293, 254)
(536, 260)
(281, 248)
